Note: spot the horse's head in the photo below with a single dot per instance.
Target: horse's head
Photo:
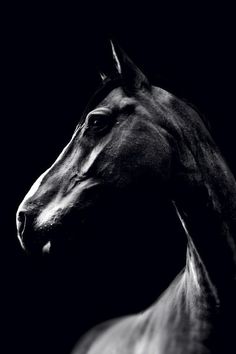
(118, 143)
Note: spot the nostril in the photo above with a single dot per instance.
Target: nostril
(21, 222)
(31, 239)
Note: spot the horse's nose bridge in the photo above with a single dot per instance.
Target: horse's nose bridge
(51, 184)
(40, 192)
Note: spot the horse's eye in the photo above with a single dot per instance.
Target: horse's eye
(98, 122)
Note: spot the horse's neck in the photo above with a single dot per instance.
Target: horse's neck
(205, 198)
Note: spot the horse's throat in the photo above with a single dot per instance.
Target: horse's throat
(206, 204)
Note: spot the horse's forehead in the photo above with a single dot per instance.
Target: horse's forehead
(117, 99)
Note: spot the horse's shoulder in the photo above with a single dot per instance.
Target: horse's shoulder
(139, 333)
(115, 336)
(86, 343)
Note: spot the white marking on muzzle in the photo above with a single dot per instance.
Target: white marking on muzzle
(61, 203)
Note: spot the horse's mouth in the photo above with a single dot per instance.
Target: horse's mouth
(47, 248)
(49, 241)
(38, 241)
(35, 246)
(44, 247)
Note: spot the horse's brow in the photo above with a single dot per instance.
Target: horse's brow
(127, 102)
(119, 103)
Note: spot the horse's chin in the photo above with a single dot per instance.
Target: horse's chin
(47, 248)
(41, 240)
(54, 247)
(56, 239)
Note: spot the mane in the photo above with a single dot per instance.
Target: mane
(167, 84)
(200, 113)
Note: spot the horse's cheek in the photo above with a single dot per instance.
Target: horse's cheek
(155, 156)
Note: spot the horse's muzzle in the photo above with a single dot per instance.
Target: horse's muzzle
(30, 240)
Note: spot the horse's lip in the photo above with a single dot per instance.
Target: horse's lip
(36, 243)
(46, 248)
(36, 249)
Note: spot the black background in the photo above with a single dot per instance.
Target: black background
(51, 56)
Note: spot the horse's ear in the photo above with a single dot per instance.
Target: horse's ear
(129, 72)
(103, 76)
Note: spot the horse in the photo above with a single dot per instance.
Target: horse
(135, 133)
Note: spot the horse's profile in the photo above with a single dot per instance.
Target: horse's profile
(136, 133)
